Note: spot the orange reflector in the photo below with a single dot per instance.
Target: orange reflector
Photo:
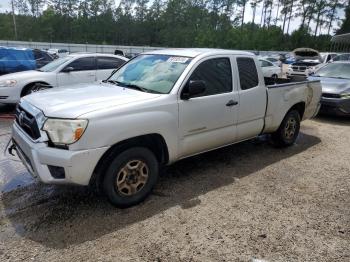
(78, 133)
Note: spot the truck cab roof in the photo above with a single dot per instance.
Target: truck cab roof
(194, 52)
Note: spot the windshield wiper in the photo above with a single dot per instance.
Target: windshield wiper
(137, 87)
(131, 86)
(110, 81)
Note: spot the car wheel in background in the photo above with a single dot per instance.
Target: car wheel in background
(131, 176)
(34, 88)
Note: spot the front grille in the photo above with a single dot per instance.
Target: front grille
(24, 157)
(27, 122)
(327, 95)
(299, 68)
(3, 97)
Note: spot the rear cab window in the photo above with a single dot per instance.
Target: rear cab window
(248, 73)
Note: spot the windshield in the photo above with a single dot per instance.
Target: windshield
(335, 70)
(54, 64)
(152, 73)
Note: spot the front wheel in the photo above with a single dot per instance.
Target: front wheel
(131, 177)
(35, 88)
(288, 131)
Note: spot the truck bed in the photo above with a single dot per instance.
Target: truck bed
(270, 81)
(283, 94)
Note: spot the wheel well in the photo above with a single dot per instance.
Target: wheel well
(27, 86)
(300, 107)
(153, 142)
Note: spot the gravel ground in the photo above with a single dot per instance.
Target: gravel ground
(244, 202)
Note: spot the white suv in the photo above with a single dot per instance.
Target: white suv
(69, 70)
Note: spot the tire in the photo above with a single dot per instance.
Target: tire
(34, 88)
(130, 177)
(288, 131)
(274, 76)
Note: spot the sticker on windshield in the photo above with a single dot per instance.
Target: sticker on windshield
(177, 59)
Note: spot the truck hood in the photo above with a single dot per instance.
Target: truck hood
(333, 85)
(74, 101)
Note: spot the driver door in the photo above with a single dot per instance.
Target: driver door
(207, 120)
(83, 70)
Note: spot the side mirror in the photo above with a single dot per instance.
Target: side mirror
(194, 87)
(68, 69)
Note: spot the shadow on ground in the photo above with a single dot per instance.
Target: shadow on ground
(59, 217)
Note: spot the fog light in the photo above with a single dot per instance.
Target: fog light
(57, 172)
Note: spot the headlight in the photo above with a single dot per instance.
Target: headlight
(7, 83)
(345, 95)
(64, 131)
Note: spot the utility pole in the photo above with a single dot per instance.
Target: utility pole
(14, 18)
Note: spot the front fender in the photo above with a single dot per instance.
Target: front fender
(108, 130)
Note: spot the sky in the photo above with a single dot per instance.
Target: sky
(5, 5)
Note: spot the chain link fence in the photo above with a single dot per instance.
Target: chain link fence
(131, 50)
(109, 49)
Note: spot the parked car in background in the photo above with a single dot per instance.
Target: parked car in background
(306, 62)
(335, 79)
(341, 57)
(69, 70)
(269, 69)
(282, 57)
(327, 57)
(302, 68)
(289, 59)
(305, 53)
(119, 52)
(21, 59)
(58, 52)
(41, 58)
(274, 61)
(160, 107)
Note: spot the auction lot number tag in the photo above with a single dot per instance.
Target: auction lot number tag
(177, 59)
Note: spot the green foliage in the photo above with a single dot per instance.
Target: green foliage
(174, 23)
(345, 28)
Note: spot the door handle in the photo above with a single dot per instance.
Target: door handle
(232, 103)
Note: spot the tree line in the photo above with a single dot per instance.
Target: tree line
(178, 23)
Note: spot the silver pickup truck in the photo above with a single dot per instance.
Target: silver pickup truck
(158, 108)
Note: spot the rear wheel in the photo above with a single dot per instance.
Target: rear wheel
(288, 131)
(131, 177)
(274, 76)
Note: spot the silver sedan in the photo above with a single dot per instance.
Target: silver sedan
(335, 79)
